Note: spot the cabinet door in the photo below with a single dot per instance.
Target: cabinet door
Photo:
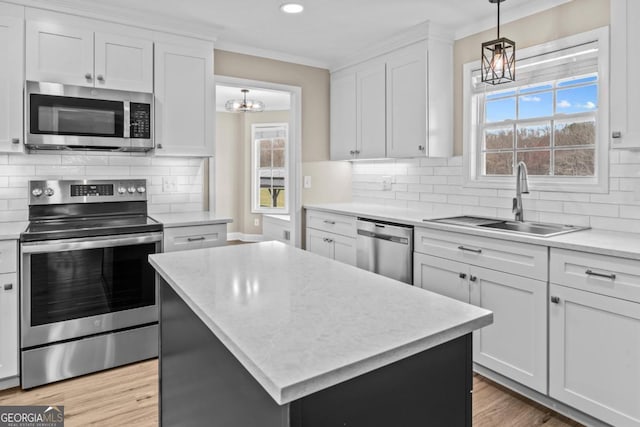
(59, 54)
(594, 354)
(515, 345)
(9, 325)
(184, 107)
(343, 115)
(318, 244)
(625, 69)
(406, 106)
(123, 63)
(370, 112)
(442, 276)
(344, 249)
(11, 82)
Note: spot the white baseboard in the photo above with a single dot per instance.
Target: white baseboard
(245, 237)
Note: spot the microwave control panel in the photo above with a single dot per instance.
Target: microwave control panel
(140, 120)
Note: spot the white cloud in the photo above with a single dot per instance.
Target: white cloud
(564, 104)
(531, 98)
(589, 105)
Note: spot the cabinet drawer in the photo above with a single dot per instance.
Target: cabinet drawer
(522, 259)
(333, 223)
(8, 256)
(201, 236)
(602, 274)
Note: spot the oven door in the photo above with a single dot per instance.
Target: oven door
(78, 287)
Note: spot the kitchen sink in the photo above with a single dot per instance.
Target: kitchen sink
(526, 227)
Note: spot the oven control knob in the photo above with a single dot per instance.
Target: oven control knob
(49, 192)
(141, 189)
(122, 190)
(131, 190)
(37, 192)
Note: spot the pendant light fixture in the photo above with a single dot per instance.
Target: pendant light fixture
(498, 58)
(244, 105)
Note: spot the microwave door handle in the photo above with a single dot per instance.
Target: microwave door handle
(126, 132)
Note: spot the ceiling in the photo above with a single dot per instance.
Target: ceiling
(273, 100)
(327, 32)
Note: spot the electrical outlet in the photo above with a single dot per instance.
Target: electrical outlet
(307, 181)
(169, 184)
(386, 183)
(256, 222)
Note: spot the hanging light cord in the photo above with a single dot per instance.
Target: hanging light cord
(499, 18)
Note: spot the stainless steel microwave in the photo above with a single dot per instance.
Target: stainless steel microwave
(83, 118)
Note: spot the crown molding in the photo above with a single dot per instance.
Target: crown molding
(509, 15)
(269, 54)
(424, 31)
(130, 17)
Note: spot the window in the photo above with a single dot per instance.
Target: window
(270, 163)
(553, 118)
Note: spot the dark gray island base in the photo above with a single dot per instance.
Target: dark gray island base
(203, 384)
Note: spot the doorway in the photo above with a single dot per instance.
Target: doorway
(239, 173)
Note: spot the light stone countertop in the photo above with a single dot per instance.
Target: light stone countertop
(300, 323)
(604, 242)
(183, 219)
(11, 230)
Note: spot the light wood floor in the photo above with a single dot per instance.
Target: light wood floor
(128, 396)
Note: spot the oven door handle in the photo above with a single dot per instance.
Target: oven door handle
(89, 243)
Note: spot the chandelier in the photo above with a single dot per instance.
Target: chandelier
(244, 105)
(498, 57)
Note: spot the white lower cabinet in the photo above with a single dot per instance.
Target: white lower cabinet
(594, 354)
(8, 314)
(332, 246)
(515, 344)
(194, 237)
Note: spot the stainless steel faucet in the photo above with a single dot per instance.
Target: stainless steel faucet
(522, 187)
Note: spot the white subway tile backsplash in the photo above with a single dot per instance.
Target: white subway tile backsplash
(436, 186)
(18, 169)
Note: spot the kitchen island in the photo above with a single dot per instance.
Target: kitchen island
(269, 335)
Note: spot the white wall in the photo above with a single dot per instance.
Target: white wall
(16, 170)
(435, 186)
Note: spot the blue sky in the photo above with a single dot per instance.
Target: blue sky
(537, 101)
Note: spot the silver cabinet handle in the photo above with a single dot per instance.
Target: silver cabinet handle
(616, 134)
(462, 275)
(100, 77)
(606, 276)
(473, 278)
(88, 76)
(352, 152)
(477, 251)
(8, 286)
(357, 151)
(195, 239)
(421, 148)
(326, 221)
(159, 146)
(327, 240)
(15, 140)
(555, 300)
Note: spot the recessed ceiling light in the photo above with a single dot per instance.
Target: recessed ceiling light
(289, 7)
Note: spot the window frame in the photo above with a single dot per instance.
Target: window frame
(255, 186)
(473, 112)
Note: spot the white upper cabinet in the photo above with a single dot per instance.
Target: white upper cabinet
(370, 112)
(184, 103)
(403, 104)
(11, 78)
(79, 56)
(406, 106)
(343, 116)
(625, 69)
(123, 63)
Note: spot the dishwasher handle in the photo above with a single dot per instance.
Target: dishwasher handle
(381, 236)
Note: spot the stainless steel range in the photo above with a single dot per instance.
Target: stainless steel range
(89, 297)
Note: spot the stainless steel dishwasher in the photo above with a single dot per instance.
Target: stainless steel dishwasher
(386, 249)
